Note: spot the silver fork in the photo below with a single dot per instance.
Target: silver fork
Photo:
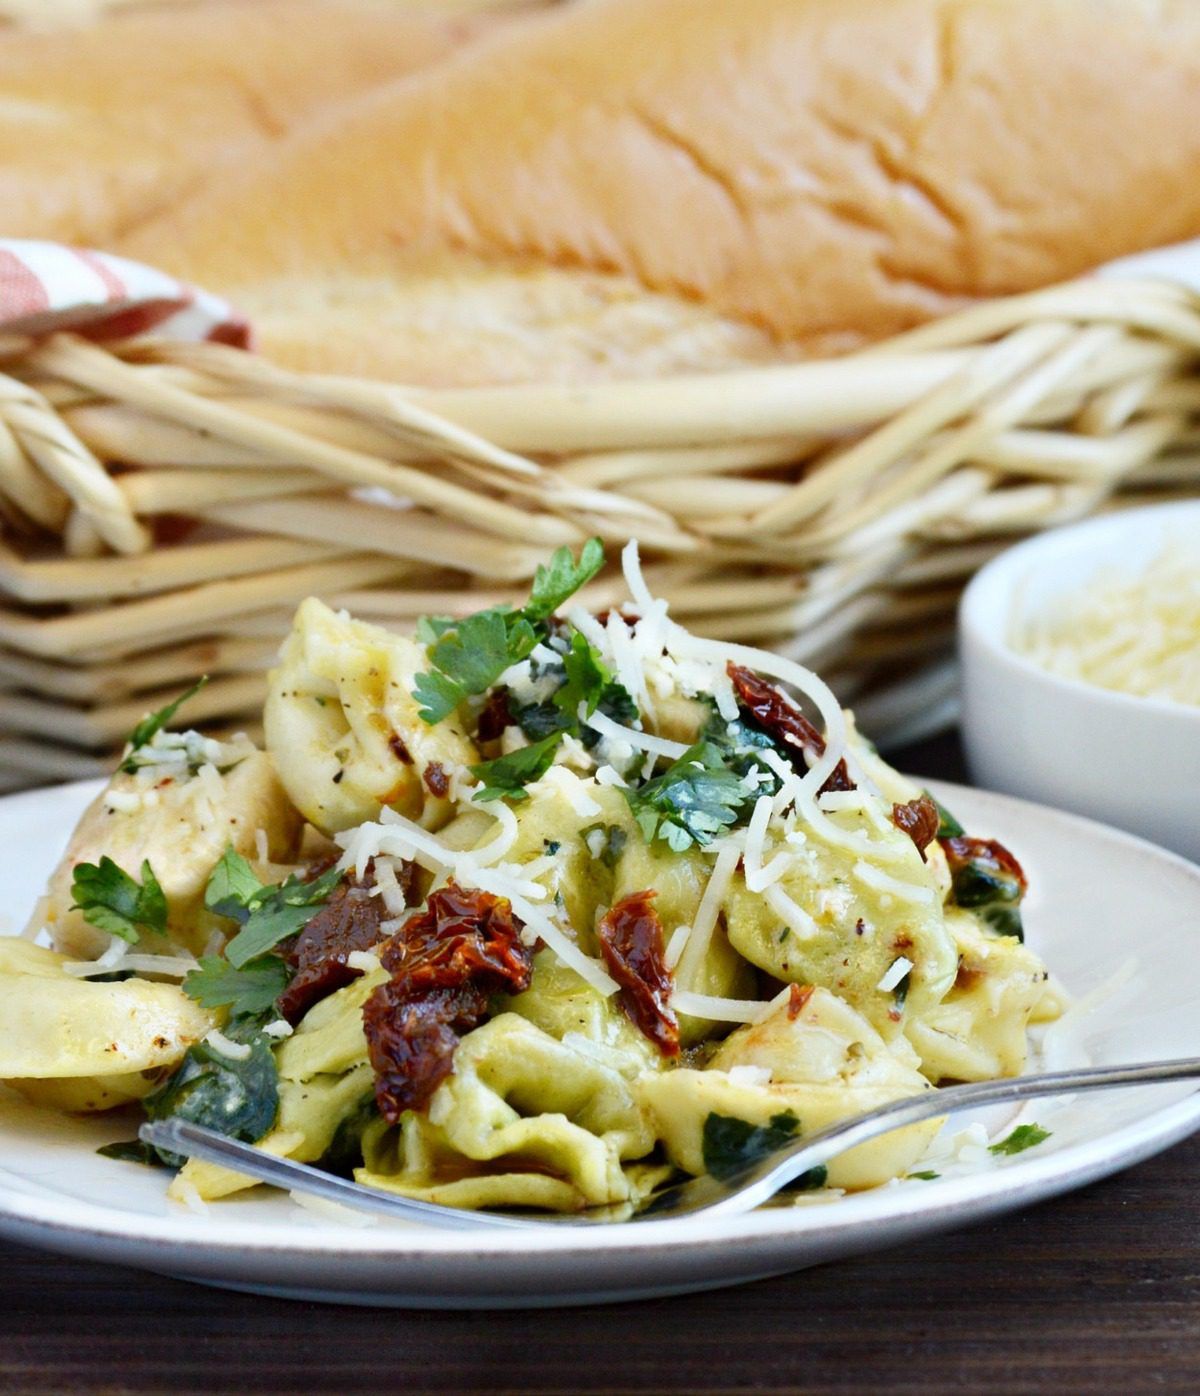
(730, 1196)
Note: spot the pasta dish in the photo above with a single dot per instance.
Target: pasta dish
(539, 908)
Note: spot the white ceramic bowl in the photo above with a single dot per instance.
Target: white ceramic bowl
(1130, 761)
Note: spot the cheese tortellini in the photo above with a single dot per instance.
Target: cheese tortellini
(343, 726)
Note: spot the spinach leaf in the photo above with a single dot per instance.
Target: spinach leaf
(948, 826)
(113, 901)
(238, 1098)
(731, 1145)
(131, 1151)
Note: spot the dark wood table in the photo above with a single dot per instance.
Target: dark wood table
(1098, 1291)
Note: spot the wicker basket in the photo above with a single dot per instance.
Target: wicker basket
(165, 508)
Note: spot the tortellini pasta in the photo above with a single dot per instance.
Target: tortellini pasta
(77, 1045)
(343, 726)
(181, 823)
(822, 1065)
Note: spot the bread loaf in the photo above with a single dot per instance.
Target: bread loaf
(104, 124)
(628, 186)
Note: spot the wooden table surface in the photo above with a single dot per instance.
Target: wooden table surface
(1098, 1291)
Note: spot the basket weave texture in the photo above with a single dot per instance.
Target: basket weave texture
(165, 508)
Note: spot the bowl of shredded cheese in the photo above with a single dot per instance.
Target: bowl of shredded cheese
(1081, 671)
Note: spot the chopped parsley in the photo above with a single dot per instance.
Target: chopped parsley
(267, 915)
(246, 992)
(927, 1176)
(506, 777)
(559, 580)
(113, 901)
(605, 842)
(153, 723)
(692, 801)
(1022, 1138)
(468, 656)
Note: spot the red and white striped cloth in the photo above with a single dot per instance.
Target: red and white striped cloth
(45, 286)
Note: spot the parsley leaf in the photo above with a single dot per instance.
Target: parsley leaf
(605, 842)
(468, 656)
(562, 578)
(1022, 1138)
(153, 723)
(587, 678)
(507, 776)
(246, 992)
(730, 1145)
(692, 801)
(113, 901)
(267, 914)
(437, 696)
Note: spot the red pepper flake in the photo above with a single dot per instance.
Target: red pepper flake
(919, 819)
(399, 748)
(446, 963)
(348, 921)
(964, 849)
(495, 716)
(631, 941)
(437, 782)
(769, 708)
(798, 996)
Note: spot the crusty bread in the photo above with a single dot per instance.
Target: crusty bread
(104, 124)
(625, 186)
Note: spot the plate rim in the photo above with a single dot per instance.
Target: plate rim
(57, 1220)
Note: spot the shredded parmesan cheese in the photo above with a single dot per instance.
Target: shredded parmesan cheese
(1133, 633)
(235, 1051)
(896, 971)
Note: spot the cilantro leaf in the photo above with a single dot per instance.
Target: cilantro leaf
(1022, 1138)
(507, 776)
(731, 1145)
(562, 578)
(692, 801)
(113, 901)
(246, 992)
(267, 914)
(153, 723)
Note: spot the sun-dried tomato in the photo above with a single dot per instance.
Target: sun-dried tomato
(919, 819)
(348, 921)
(494, 716)
(631, 941)
(399, 749)
(437, 782)
(766, 707)
(446, 962)
(798, 997)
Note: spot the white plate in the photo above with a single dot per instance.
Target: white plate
(1097, 899)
